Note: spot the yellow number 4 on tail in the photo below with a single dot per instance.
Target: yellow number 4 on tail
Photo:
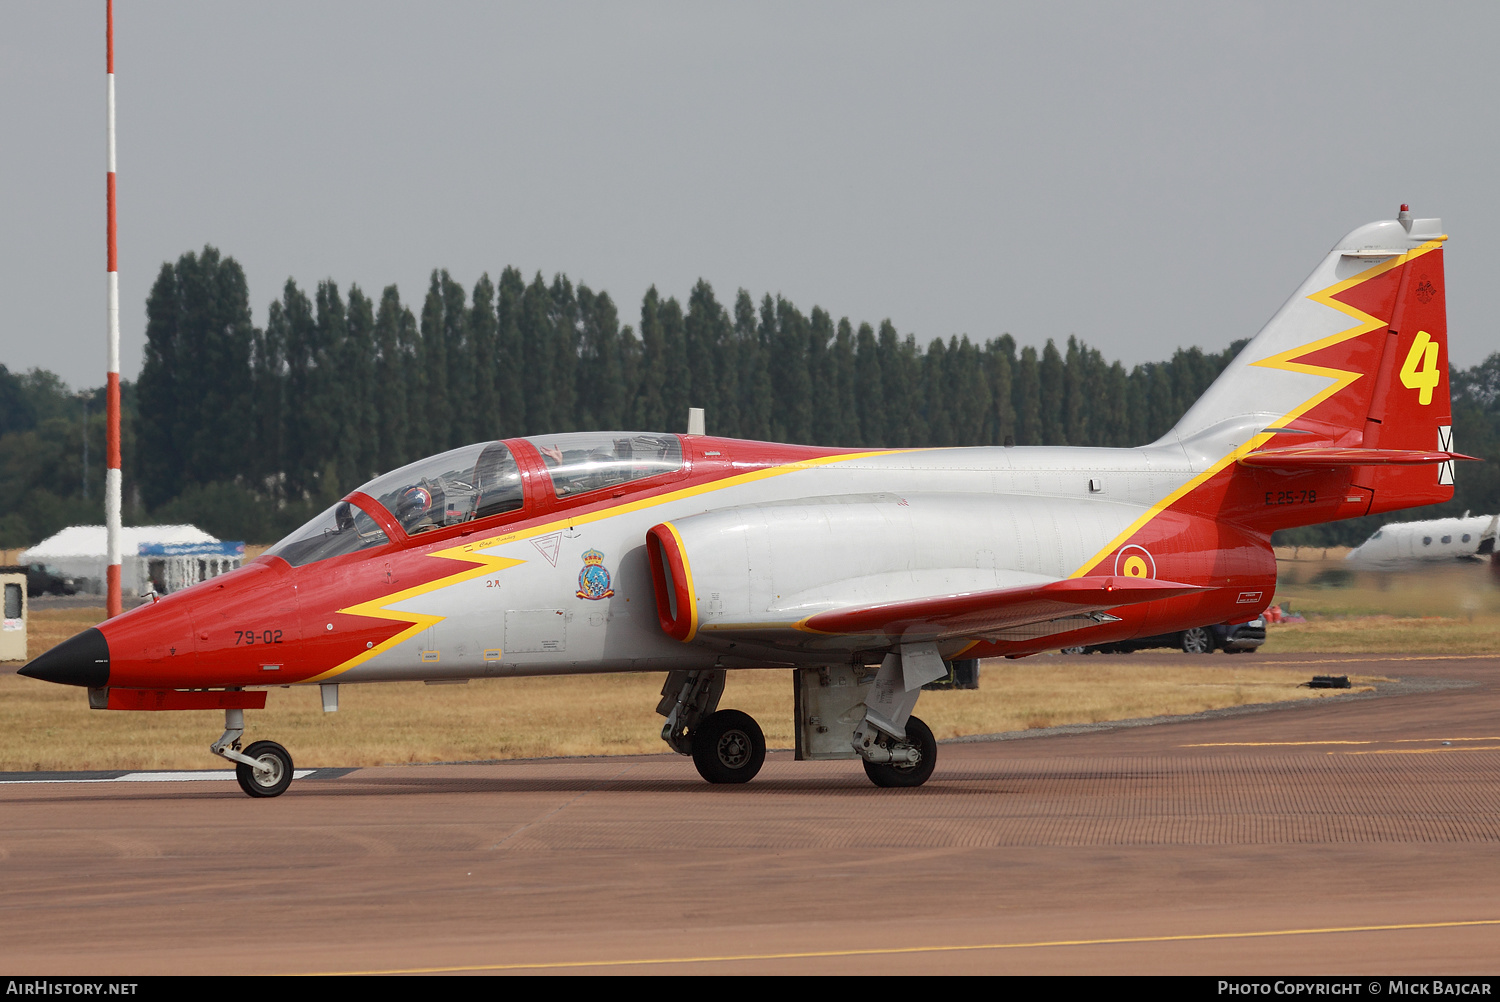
(1420, 370)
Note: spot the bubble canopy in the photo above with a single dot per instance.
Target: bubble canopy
(475, 481)
(478, 481)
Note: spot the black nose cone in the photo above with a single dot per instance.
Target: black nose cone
(80, 660)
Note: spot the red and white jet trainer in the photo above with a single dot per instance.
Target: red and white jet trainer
(862, 570)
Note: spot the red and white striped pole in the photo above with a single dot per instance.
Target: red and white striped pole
(112, 603)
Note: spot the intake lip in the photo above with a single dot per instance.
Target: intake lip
(80, 660)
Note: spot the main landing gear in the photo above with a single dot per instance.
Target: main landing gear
(727, 746)
(843, 712)
(907, 762)
(264, 769)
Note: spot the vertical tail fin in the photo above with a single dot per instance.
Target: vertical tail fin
(1357, 358)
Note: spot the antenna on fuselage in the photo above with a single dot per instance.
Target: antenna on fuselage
(695, 421)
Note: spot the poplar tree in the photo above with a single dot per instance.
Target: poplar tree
(162, 459)
(728, 351)
(845, 429)
(936, 389)
(361, 436)
(676, 383)
(483, 334)
(897, 430)
(792, 415)
(702, 338)
(649, 412)
(303, 453)
(1000, 360)
(537, 357)
(436, 403)
(602, 393)
(195, 386)
(326, 454)
(755, 373)
(869, 394)
(1075, 418)
(565, 341)
(969, 393)
(457, 344)
(510, 390)
(268, 402)
(390, 378)
(1116, 423)
(1027, 396)
(418, 402)
(1050, 375)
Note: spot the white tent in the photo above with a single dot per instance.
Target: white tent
(160, 557)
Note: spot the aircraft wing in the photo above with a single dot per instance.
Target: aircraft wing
(979, 613)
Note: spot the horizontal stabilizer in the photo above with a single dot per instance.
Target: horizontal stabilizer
(1314, 457)
(977, 613)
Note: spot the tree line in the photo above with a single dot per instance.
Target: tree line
(247, 431)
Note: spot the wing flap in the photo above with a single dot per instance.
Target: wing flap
(976, 613)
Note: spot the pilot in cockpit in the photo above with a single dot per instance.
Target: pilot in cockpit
(414, 509)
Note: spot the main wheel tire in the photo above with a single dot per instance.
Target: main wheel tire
(908, 774)
(728, 747)
(272, 783)
(1198, 640)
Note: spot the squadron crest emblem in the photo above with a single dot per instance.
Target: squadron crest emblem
(593, 580)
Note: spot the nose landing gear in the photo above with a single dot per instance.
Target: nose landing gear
(270, 775)
(264, 769)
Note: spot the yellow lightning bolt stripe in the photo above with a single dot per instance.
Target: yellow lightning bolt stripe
(380, 608)
(1285, 360)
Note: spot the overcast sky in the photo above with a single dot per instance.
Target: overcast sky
(1145, 176)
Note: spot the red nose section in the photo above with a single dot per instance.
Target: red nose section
(153, 645)
(225, 631)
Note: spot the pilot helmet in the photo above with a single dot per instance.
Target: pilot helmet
(412, 504)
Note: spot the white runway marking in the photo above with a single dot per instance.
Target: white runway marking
(149, 777)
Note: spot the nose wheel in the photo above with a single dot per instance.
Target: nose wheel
(264, 769)
(270, 775)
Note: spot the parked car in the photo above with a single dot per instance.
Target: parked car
(41, 581)
(1231, 638)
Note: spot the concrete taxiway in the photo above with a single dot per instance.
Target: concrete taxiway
(1356, 835)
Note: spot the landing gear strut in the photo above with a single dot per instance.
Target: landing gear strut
(264, 769)
(898, 749)
(911, 761)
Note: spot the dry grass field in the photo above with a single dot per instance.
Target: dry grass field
(50, 727)
(1448, 609)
